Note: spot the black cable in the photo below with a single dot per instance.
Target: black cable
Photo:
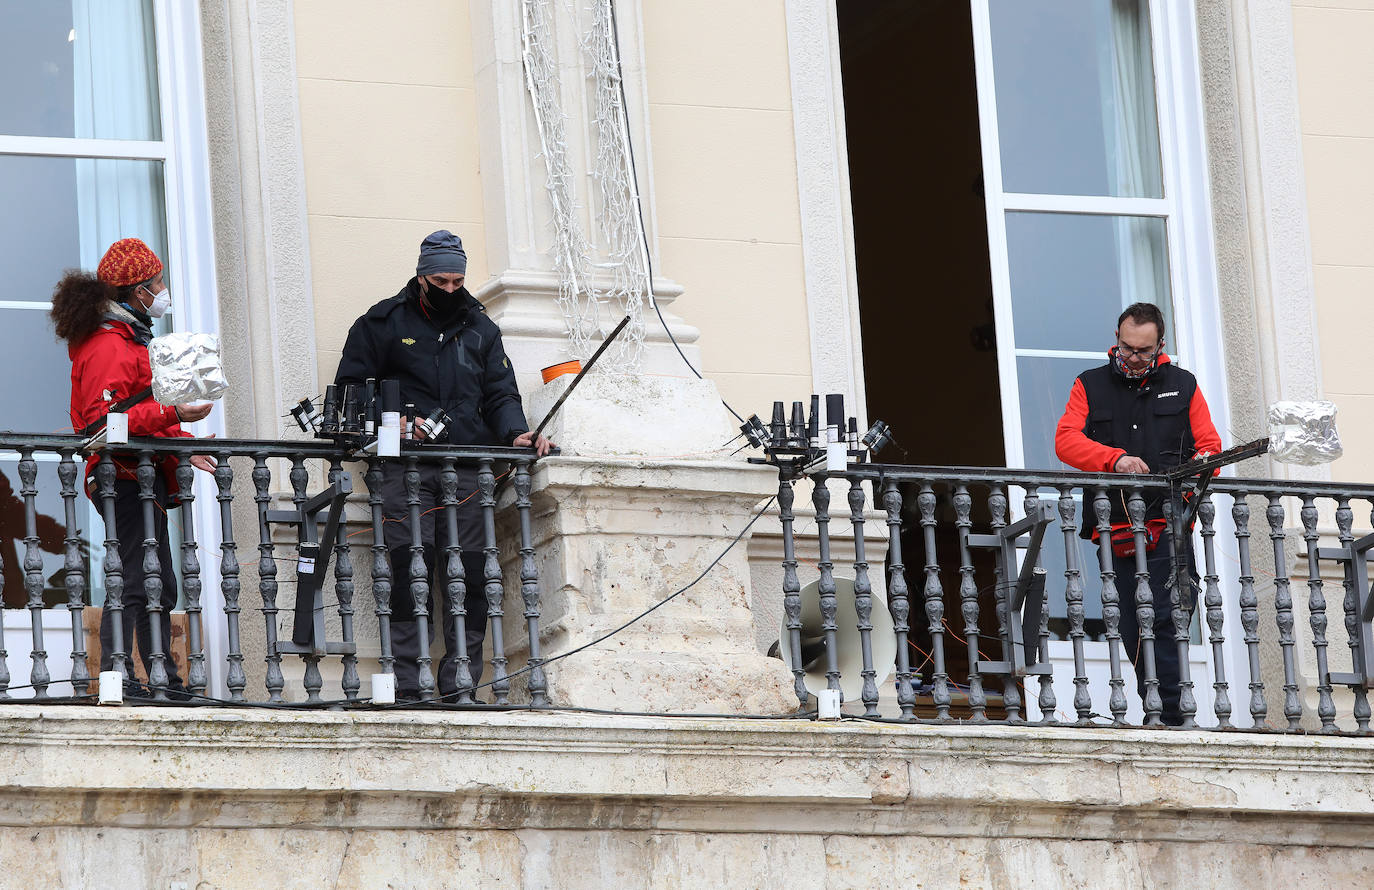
(608, 634)
(443, 700)
(639, 205)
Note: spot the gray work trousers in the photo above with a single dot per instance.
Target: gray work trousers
(405, 634)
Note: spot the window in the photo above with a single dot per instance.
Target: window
(102, 136)
(1095, 200)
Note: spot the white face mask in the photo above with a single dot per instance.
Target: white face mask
(161, 303)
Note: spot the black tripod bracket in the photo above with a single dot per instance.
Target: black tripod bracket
(312, 565)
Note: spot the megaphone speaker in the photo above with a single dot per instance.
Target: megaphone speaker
(849, 651)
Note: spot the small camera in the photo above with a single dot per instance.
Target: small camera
(434, 425)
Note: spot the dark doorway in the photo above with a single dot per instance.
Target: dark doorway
(925, 289)
(920, 228)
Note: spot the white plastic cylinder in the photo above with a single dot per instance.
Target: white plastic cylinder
(384, 689)
(828, 704)
(111, 688)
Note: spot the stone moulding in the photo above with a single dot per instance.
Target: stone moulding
(226, 769)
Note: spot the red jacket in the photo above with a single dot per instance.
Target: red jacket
(110, 365)
(1074, 447)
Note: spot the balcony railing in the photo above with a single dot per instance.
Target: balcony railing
(959, 529)
(998, 577)
(298, 529)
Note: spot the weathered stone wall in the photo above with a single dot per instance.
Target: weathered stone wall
(220, 799)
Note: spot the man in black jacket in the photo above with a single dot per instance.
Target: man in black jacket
(435, 338)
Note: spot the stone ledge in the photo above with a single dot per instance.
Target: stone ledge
(68, 765)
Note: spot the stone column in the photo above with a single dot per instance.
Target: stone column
(645, 498)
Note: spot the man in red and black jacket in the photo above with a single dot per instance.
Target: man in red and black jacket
(1139, 413)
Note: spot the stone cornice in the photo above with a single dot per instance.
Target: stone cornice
(227, 768)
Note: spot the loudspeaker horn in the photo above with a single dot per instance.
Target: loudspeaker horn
(848, 647)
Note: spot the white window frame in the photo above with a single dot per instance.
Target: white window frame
(1195, 297)
(184, 154)
(1185, 209)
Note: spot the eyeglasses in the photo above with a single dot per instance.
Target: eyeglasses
(1144, 354)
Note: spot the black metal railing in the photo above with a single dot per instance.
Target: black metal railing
(956, 525)
(313, 554)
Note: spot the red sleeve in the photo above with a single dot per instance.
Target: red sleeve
(1072, 446)
(101, 365)
(1205, 435)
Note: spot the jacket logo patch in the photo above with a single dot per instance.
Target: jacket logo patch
(409, 341)
(1166, 394)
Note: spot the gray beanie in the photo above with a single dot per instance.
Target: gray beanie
(441, 253)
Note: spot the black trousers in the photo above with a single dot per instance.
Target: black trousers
(405, 635)
(1167, 669)
(130, 531)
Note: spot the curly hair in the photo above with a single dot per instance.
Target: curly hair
(78, 304)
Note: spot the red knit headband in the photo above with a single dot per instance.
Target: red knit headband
(128, 261)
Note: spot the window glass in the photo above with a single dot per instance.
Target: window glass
(1075, 98)
(1072, 274)
(1044, 385)
(51, 528)
(84, 68)
(72, 210)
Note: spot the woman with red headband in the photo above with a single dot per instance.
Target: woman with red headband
(107, 321)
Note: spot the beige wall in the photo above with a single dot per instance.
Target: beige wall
(725, 182)
(1332, 39)
(390, 153)
(390, 149)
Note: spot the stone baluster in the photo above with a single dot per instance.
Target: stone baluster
(1011, 693)
(74, 573)
(267, 575)
(196, 678)
(791, 590)
(1073, 598)
(1111, 604)
(381, 566)
(968, 603)
(229, 584)
(39, 676)
(1345, 520)
(1249, 608)
(529, 586)
(494, 587)
(897, 597)
(863, 599)
(114, 567)
(313, 680)
(1221, 690)
(419, 580)
(350, 682)
(820, 499)
(1046, 700)
(1145, 610)
(455, 581)
(934, 596)
(1283, 608)
(1181, 613)
(1316, 607)
(152, 576)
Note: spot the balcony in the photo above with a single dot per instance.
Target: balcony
(1000, 750)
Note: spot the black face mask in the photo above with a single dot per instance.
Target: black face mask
(442, 301)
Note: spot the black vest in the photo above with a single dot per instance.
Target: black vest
(1147, 418)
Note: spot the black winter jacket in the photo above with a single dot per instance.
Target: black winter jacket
(461, 367)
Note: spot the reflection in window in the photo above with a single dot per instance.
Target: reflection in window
(83, 68)
(1075, 98)
(1072, 274)
(51, 530)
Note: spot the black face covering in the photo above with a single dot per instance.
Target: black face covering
(446, 305)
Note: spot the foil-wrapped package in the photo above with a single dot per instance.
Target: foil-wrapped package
(186, 368)
(1304, 433)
